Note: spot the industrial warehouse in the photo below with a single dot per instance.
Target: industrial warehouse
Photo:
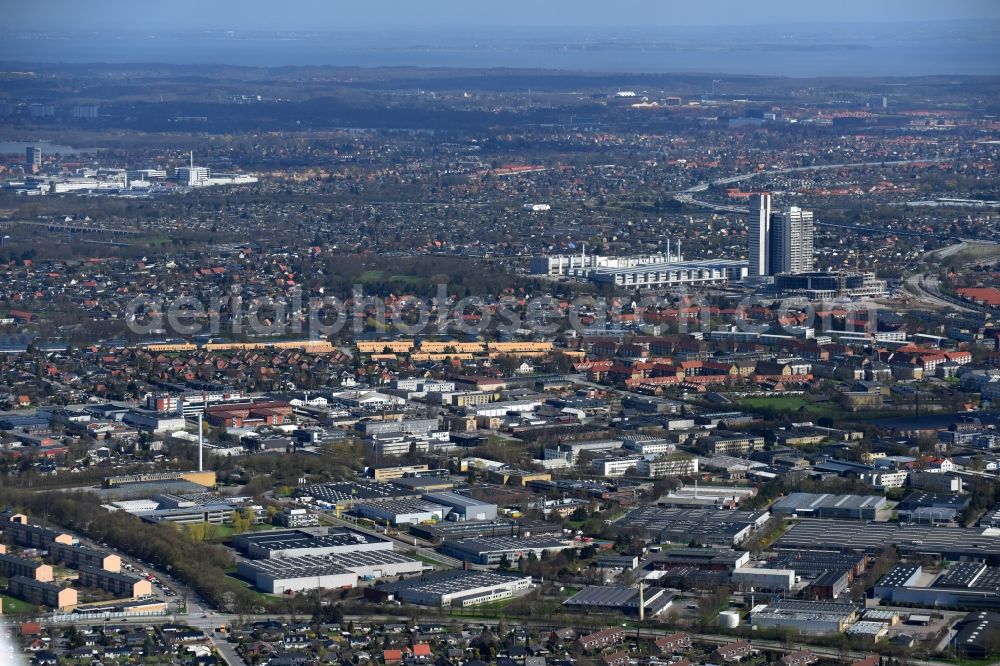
(303, 542)
(962, 585)
(494, 550)
(641, 603)
(860, 507)
(682, 525)
(811, 617)
(952, 543)
(457, 588)
(402, 512)
(336, 570)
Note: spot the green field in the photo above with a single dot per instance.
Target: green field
(262, 596)
(372, 276)
(407, 279)
(375, 275)
(968, 662)
(222, 532)
(12, 606)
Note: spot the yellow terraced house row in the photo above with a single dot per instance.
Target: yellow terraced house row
(311, 346)
(519, 347)
(423, 356)
(380, 346)
(437, 347)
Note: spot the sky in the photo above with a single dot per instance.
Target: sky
(68, 15)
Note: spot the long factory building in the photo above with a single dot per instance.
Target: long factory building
(458, 588)
(953, 543)
(336, 570)
(703, 273)
(285, 544)
(655, 271)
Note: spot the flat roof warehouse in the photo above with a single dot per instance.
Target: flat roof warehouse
(949, 542)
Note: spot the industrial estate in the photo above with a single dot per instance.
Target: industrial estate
(497, 367)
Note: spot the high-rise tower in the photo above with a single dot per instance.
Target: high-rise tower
(779, 243)
(792, 249)
(759, 228)
(32, 159)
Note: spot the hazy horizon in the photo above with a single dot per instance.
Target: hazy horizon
(768, 37)
(436, 14)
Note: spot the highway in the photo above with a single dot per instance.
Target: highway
(926, 286)
(687, 196)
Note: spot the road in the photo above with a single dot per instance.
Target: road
(926, 286)
(687, 196)
(183, 592)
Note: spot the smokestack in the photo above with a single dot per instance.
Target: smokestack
(191, 155)
(642, 601)
(201, 445)
(668, 250)
(679, 257)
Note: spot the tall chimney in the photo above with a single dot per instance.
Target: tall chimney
(642, 601)
(201, 445)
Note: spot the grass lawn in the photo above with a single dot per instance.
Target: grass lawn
(372, 276)
(222, 532)
(426, 560)
(263, 596)
(407, 279)
(12, 606)
(968, 662)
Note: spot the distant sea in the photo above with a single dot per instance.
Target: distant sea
(848, 50)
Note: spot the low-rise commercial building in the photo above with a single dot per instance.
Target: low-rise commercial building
(463, 507)
(954, 543)
(976, 634)
(332, 571)
(494, 550)
(616, 466)
(390, 472)
(455, 588)
(708, 526)
(296, 518)
(708, 559)
(824, 505)
(403, 511)
(811, 617)
(775, 580)
(620, 600)
(730, 443)
(676, 464)
(298, 543)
